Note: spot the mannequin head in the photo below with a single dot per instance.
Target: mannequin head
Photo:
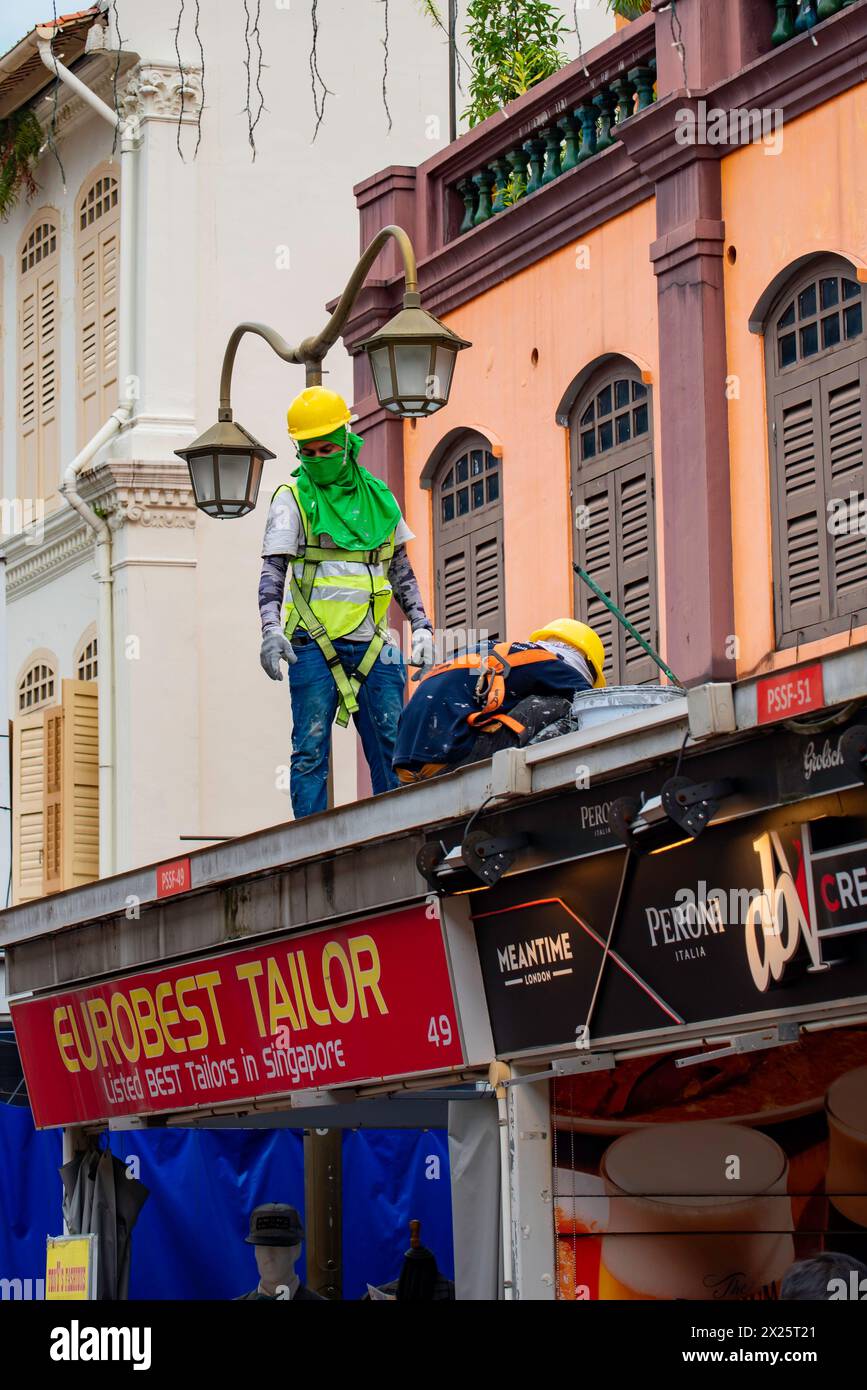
(276, 1265)
(277, 1233)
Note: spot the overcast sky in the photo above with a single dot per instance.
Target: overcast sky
(18, 17)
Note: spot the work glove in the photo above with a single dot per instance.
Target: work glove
(274, 648)
(422, 647)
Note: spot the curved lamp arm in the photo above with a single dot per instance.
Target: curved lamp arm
(311, 351)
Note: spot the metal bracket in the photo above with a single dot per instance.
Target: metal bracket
(762, 1038)
(568, 1066)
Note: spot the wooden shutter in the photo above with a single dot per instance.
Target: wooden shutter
(454, 583)
(28, 407)
(88, 343)
(615, 545)
(844, 409)
(803, 595)
(52, 877)
(48, 382)
(486, 603)
(108, 282)
(28, 760)
(636, 569)
(71, 788)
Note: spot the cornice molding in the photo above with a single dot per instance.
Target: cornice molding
(127, 493)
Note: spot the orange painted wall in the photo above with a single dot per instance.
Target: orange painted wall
(811, 198)
(571, 316)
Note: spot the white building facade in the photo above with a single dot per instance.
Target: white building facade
(199, 737)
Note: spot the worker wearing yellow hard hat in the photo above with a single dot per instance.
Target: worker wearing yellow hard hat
(464, 705)
(336, 532)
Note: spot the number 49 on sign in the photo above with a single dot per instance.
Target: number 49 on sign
(440, 1031)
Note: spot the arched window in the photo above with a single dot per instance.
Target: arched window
(37, 685)
(86, 663)
(816, 368)
(611, 425)
(468, 539)
(38, 356)
(97, 260)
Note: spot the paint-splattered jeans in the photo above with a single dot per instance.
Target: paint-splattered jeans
(314, 705)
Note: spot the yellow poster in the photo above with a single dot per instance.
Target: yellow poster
(70, 1268)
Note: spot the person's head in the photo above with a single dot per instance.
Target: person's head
(314, 418)
(277, 1233)
(824, 1278)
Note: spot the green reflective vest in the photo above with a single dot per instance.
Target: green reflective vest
(332, 591)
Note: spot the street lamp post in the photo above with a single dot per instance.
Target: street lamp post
(412, 359)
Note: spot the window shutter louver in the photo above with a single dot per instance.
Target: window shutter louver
(454, 584)
(52, 877)
(804, 565)
(28, 414)
(615, 544)
(28, 762)
(844, 408)
(80, 791)
(487, 583)
(816, 369)
(98, 249)
(468, 543)
(636, 569)
(48, 349)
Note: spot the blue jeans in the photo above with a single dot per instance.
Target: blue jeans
(314, 705)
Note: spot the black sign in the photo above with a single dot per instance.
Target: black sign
(759, 915)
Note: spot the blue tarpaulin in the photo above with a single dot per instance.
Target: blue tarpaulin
(390, 1177)
(189, 1240)
(30, 1197)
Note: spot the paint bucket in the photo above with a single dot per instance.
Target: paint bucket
(591, 707)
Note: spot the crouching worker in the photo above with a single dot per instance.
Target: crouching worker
(339, 535)
(465, 709)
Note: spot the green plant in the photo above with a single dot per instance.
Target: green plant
(629, 9)
(20, 146)
(514, 45)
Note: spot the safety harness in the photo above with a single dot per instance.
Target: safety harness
(303, 614)
(495, 665)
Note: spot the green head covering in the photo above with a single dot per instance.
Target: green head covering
(342, 500)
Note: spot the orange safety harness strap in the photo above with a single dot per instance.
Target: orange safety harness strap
(494, 669)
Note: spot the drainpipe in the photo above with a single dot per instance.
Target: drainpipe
(117, 421)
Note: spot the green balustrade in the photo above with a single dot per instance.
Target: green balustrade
(502, 172)
(644, 77)
(605, 102)
(484, 181)
(553, 137)
(624, 90)
(588, 116)
(536, 151)
(572, 133)
(518, 163)
(467, 190)
(806, 16)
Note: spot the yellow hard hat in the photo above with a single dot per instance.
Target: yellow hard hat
(316, 412)
(577, 635)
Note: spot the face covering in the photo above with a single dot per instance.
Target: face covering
(342, 500)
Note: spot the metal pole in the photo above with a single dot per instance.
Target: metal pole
(624, 622)
(453, 71)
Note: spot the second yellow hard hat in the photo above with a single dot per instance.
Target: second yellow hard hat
(577, 635)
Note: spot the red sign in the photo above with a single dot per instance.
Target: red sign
(790, 693)
(317, 1009)
(173, 878)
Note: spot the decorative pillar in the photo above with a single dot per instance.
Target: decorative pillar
(693, 448)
